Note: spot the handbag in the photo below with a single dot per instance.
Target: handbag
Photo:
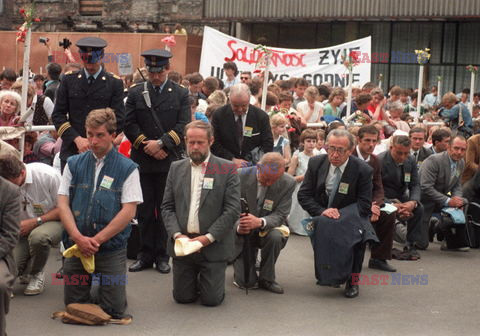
(461, 128)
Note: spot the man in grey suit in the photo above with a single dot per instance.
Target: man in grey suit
(440, 175)
(201, 203)
(9, 229)
(268, 192)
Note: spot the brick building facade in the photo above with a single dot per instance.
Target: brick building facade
(146, 16)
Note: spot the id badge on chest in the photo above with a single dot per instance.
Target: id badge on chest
(268, 205)
(106, 182)
(208, 183)
(38, 210)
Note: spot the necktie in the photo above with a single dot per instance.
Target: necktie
(415, 155)
(337, 175)
(91, 79)
(453, 169)
(157, 89)
(261, 197)
(239, 131)
(402, 176)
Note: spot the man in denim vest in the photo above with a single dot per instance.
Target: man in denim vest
(98, 197)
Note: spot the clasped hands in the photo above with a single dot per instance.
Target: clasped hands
(405, 210)
(152, 148)
(87, 245)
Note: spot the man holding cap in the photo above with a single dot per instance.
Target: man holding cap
(156, 114)
(83, 91)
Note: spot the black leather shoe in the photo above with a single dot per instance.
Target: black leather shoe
(380, 264)
(139, 265)
(270, 286)
(351, 291)
(163, 267)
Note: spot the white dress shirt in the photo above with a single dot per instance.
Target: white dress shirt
(196, 186)
(360, 156)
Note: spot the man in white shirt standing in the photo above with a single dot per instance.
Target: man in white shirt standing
(40, 226)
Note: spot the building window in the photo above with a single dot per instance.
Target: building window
(91, 7)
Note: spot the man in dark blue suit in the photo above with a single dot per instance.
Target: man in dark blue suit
(333, 182)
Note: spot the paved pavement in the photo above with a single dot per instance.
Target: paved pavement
(447, 305)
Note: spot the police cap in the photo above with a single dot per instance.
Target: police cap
(91, 49)
(89, 44)
(156, 59)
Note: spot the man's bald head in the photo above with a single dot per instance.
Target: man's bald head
(240, 90)
(239, 98)
(270, 168)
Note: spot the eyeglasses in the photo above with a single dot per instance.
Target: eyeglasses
(246, 78)
(339, 150)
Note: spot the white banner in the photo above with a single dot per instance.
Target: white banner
(315, 65)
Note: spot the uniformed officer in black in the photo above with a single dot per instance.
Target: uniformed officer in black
(83, 91)
(155, 133)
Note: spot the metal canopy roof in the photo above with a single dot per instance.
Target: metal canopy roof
(273, 10)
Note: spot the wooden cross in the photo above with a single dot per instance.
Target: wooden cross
(25, 202)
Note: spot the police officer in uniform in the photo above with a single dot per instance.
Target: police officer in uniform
(83, 91)
(156, 114)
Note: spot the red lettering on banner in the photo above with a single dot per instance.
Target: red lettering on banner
(251, 56)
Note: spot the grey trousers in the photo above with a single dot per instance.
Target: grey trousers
(112, 296)
(36, 246)
(6, 285)
(270, 247)
(194, 277)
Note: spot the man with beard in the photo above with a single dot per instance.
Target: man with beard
(200, 214)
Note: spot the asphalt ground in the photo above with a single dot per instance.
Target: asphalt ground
(445, 301)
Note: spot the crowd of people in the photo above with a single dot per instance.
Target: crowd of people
(203, 168)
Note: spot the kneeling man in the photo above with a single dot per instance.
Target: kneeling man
(337, 188)
(200, 206)
(98, 198)
(268, 192)
(40, 226)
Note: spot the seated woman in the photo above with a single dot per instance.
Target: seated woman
(334, 101)
(9, 111)
(9, 107)
(310, 110)
(396, 111)
(451, 113)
